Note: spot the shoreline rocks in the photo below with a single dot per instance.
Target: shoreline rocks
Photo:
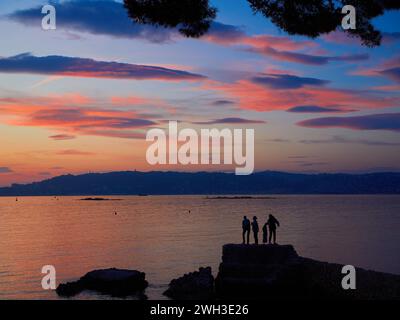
(278, 272)
(198, 285)
(114, 282)
(249, 272)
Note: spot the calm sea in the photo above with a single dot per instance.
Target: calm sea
(159, 236)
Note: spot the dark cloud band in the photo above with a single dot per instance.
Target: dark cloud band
(5, 170)
(318, 109)
(384, 121)
(286, 81)
(90, 68)
(231, 121)
(96, 17)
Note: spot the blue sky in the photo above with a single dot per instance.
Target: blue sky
(91, 89)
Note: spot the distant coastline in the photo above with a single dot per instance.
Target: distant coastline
(99, 199)
(210, 184)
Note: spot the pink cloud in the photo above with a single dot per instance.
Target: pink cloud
(258, 97)
(389, 68)
(340, 37)
(278, 47)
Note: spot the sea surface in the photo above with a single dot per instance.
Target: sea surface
(158, 235)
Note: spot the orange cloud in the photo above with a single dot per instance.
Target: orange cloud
(62, 137)
(74, 114)
(72, 152)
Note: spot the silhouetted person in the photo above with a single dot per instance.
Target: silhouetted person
(256, 229)
(246, 230)
(265, 233)
(272, 224)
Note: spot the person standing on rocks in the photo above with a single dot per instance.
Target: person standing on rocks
(265, 233)
(256, 229)
(272, 225)
(246, 230)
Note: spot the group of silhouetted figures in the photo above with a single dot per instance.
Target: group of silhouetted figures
(269, 228)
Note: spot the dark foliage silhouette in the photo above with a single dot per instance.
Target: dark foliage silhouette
(315, 17)
(310, 18)
(192, 17)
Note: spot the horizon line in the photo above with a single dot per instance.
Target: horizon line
(353, 173)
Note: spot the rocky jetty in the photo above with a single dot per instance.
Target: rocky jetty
(198, 285)
(278, 272)
(266, 272)
(115, 282)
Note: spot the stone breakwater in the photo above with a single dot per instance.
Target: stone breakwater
(278, 272)
(249, 272)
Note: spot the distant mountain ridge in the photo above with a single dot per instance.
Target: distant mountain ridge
(208, 183)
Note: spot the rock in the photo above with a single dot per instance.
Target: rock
(324, 280)
(115, 282)
(258, 254)
(69, 289)
(197, 285)
(277, 272)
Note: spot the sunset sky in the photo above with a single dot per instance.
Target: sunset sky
(81, 98)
